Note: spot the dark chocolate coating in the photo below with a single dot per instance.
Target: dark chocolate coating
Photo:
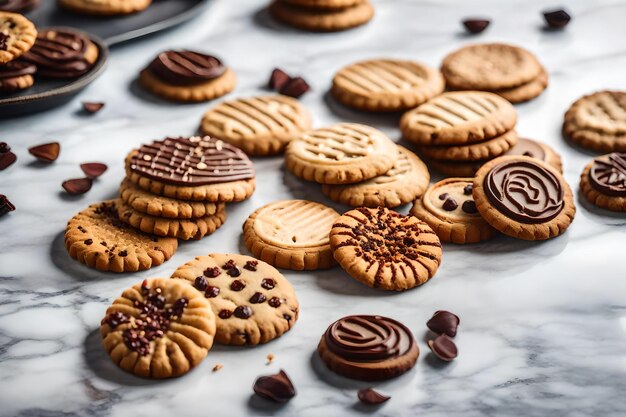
(608, 174)
(11, 73)
(186, 67)
(18, 5)
(527, 147)
(60, 54)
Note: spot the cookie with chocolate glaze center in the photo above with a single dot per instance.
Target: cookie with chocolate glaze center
(16, 75)
(603, 181)
(537, 150)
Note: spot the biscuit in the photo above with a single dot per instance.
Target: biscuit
(322, 20)
(524, 198)
(187, 76)
(386, 85)
(198, 169)
(368, 348)
(160, 328)
(527, 91)
(324, 4)
(384, 249)
(159, 206)
(403, 183)
(99, 239)
(291, 234)
(598, 122)
(490, 66)
(17, 35)
(458, 118)
(603, 181)
(184, 229)
(16, 75)
(259, 126)
(538, 150)
(449, 209)
(105, 7)
(252, 301)
(474, 151)
(344, 153)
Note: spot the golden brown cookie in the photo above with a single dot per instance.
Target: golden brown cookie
(369, 348)
(105, 7)
(322, 20)
(524, 198)
(598, 121)
(160, 328)
(323, 4)
(17, 35)
(386, 84)
(291, 234)
(449, 209)
(407, 179)
(159, 206)
(538, 150)
(16, 75)
(458, 118)
(474, 151)
(253, 302)
(185, 229)
(603, 181)
(384, 249)
(490, 66)
(198, 169)
(527, 91)
(259, 126)
(100, 240)
(344, 153)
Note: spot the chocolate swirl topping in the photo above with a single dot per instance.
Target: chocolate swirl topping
(368, 338)
(608, 174)
(527, 147)
(192, 161)
(60, 53)
(524, 191)
(186, 67)
(11, 72)
(18, 5)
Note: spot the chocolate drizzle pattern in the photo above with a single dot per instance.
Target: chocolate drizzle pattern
(60, 53)
(368, 338)
(186, 67)
(192, 161)
(18, 5)
(608, 174)
(524, 191)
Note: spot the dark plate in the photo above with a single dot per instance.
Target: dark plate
(49, 93)
(161, 14)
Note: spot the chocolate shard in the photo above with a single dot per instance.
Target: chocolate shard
(5, 205)
(278, 387)
(92, 107)
(48, 152)
(7, 159)
(295, 87)
(77, 186)
(443, 347)
(93, 169)
(444, 322)
(557, 19)
(370, 397)
(476, 25)
(278, 79)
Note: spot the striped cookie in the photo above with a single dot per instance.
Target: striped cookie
(259, 126)
(386, 84)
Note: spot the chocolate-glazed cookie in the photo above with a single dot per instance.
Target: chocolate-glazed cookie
(62, 53)
(369, 348)
(603, 181)
(16, 75)
(537, 150)
(20, 6)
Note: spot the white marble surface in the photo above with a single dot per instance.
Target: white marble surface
(543, 325)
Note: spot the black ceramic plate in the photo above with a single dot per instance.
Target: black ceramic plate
(161, 14)
(49, 93)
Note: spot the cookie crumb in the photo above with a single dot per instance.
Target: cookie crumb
(217, 367)
(270, 358)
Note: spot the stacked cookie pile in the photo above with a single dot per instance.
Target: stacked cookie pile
(322, 15)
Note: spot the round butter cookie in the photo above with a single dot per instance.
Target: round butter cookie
(105, 7)
(474, 151)
(603, 181)
(17, 35)
(322, 20)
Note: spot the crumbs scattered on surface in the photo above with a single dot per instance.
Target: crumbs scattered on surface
(217, 367)
(270, 358)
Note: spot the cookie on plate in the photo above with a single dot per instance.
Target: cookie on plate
(98, 238)
(320, 19)
(384, 249)
(458, 118)
(17, 35)
(344, 153)
(537, 150)
(475, 151)
(253, 302)
(105, 7)
(16, 75)
(403, 183)
(524, 198)
(449, 209)
(196, 168)
(62, 53)
(598, 121)
(160, 328)
(386, 84)
(603, 181)
(324, 4)
(187, 76)
(368, 348)
(259, 126)
(291, 234)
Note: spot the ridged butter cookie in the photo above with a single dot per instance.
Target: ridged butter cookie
(17, 35)
(320, 19)
(474, 151)
(603, 181)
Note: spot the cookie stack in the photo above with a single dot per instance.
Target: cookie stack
(17, 36)
(179, 187)
(460, 131)
(322, 15)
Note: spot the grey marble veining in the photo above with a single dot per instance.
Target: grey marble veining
(543, 325)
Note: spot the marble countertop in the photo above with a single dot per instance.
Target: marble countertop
(543, 325)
